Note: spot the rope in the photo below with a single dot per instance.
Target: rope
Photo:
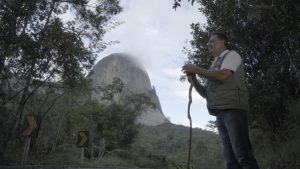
(190, 118)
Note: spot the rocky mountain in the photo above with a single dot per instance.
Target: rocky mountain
(135, 79)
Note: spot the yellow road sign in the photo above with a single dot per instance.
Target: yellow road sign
(30, 126)
(83, 139)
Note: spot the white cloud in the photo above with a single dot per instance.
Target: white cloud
(155, 34)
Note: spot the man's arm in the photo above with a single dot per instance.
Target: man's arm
(199, 88)
(219, 75)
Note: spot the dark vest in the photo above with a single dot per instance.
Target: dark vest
(229, 94)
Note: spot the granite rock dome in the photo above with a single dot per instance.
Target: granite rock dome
(135, 79)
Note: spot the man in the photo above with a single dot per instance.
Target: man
(227, 99)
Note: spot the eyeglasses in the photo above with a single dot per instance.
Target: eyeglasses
(212, 41)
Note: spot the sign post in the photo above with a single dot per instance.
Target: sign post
(82, 156)
(83, 141)
(30, 130)
(26, 151)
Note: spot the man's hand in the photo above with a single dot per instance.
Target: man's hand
(190, 69)
(219, 75)
(194, 82)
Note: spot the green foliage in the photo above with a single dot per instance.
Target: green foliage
(212, 125)
(38, 47)
(118, 126)
(166, 146)
(115, 123)
(111, 90)
(119, 120)
(176, 3)
(162, 147)
(38, 43)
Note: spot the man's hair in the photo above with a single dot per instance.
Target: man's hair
(221, 36)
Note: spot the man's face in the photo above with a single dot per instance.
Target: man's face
(215, 45)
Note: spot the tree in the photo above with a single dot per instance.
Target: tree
(110, 90)
(212, 126)
(118, 121)
(115, 122)
(47, 41)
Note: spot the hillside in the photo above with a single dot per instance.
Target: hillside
(166, 146)
(157, 147)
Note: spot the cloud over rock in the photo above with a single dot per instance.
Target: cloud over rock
(135, 79)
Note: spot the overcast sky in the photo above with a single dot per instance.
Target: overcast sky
(155, 34)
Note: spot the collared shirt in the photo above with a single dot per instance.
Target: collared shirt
(231, 62)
